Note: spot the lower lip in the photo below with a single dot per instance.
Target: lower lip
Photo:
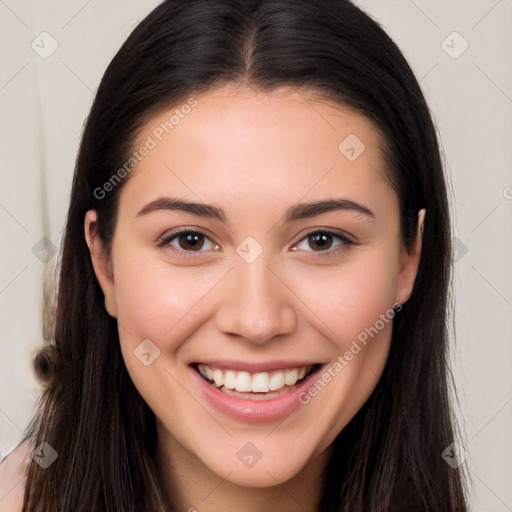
(253, 411)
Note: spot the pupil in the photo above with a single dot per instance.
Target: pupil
(192, 240)
(322, 240)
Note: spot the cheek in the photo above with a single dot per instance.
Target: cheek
(355, 303)
(158, 301)
(350, 298)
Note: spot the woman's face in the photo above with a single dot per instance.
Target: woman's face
(289, 262)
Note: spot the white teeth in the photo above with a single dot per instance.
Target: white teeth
(276, 381)
(291, 377)
(243, 382)
(230, 379)
(206, 371)
(218, 377)
(261, 382)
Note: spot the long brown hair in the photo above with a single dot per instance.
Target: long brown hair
(389, 456)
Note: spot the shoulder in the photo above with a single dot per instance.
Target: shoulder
(12, 478)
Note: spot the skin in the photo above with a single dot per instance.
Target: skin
(12, 478)
(254, 155)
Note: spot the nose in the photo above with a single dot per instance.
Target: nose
(257, 303)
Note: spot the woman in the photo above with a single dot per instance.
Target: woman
(254, 279)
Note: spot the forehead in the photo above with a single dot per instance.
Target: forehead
(238, 144)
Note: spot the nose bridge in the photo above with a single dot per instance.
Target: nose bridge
(258, 305)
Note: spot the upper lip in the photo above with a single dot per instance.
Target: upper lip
(254, 367)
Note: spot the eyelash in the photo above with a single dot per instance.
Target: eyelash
(347, 242)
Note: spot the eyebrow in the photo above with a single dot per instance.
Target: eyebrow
(296, 212)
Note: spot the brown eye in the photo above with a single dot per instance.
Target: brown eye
(186, 242)
(320, 241)
(191, 241)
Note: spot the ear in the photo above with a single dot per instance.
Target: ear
(100, 261)
(409, 263)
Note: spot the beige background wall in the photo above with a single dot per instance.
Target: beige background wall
(45, 98)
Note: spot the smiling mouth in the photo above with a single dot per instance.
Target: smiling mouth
(255, 385)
